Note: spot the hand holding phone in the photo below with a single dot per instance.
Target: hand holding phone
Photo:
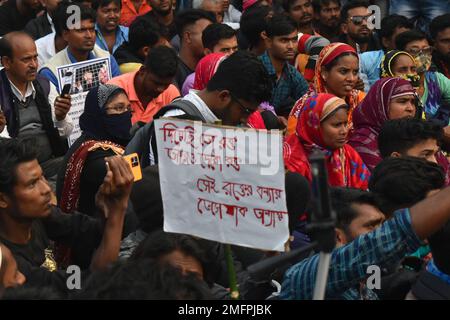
(66, 89)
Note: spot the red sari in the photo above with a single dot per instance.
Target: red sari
(345, 167)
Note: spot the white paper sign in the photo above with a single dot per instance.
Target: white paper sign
(82, 76)
(223, 184)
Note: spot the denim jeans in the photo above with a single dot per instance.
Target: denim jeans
(420, 11)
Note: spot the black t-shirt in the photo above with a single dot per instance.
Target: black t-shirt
(80, 232)
(11, 19)
(182, 73)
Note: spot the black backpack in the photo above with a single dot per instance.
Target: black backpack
(145, 135)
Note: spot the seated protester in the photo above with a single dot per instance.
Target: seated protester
(327, 15)
(357, 213)
(235, 91)
(309, 48)
(401, 64)
(385, 246)
(263, 118)
(336, 73)
(179, 250)
(43, 25)
(355, 17)
(144, 279)
(144, 35)
(150, 88)
(130, 11)
(415, 138)
(80, 46)
(54, 42)
(288, 84)
(216, 38)
(399, 183)
(28, 221)
(253, 23)
(10, 276)
(402, 181)
(433, 87)
(433, 283)
(387, 99)
(30, 103)
(391, 27)
(302, 12)
(323, 126)
(440, 34)
(163, 13)
(202, 257)
(15, 14)
(109, 34)
(190, 26)
(105, 125)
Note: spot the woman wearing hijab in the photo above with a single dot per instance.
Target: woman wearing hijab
(387, 99)
(336, 72)
(433, 90)
(264, 118)
(105, 125)
(323, 126)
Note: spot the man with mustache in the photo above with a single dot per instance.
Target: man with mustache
(81, 46)
(326, 17)
(301, 11)
(440, 34)
(30, 104)
(356, 22)
(288, 84)
(110, 35)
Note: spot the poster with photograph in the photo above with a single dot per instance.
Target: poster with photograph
(82, 76)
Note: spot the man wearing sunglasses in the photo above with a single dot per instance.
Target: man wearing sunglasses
(355, 24)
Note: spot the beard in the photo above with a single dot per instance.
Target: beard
(443, 57)
(360, 39)
(163, 13)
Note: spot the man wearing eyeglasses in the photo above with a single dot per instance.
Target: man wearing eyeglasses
(356, 20)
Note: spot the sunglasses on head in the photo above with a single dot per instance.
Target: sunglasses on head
(358, 20)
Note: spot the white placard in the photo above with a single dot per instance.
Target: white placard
(223, 184)
(82, 77)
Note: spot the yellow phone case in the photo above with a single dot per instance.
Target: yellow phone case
(133, 161)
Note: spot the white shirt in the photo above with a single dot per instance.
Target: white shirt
(45, 48)
(192, 97)
(64, 126)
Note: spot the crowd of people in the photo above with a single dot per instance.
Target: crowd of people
(368, 89)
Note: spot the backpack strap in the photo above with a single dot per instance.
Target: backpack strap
(183, 105)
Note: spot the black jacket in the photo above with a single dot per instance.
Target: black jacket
(430, 287)
(125, 54)
(42, 87)
(38, 27)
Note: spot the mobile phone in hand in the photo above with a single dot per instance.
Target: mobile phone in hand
(133, 161)
(66, 89)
